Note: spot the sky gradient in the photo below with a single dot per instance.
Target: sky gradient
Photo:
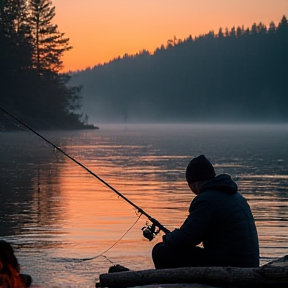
(101, 30)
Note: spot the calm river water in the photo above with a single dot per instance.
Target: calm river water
(56, 214)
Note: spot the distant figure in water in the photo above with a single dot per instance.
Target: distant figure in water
(10, 276)
(219, 230)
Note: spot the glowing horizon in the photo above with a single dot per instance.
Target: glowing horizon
(100, 31)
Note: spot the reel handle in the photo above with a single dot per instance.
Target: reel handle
(150, 231)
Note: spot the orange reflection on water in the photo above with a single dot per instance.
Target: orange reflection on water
(94, 212)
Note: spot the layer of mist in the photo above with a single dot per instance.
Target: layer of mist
(237, 76)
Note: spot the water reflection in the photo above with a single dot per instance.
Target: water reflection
(53, 210)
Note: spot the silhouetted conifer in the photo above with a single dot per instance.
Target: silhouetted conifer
(31, 86)
(48, 43)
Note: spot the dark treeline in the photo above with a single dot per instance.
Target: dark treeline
(31, 86)
(236, 75)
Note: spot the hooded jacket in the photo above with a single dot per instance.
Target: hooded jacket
(219, 218)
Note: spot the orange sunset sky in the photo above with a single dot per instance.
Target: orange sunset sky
(101, 30)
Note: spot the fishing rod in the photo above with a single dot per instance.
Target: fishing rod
(149, 231)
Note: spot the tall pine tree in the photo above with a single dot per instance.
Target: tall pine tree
(57, 103)
(49, 44)
(32, 87)
(15, 47)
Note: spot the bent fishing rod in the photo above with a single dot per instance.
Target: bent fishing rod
(149, 231)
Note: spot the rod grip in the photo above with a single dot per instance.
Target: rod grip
(159, 225)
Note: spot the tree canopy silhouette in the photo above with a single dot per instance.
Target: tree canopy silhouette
(236, 75)
(32, 87)
(49, 44)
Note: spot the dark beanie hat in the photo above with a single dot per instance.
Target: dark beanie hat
(199, 169)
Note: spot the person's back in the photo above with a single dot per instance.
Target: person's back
(219, 218)
(231, 236)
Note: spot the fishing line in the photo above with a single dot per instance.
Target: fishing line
(99, 255)
(149, 231)
(86, 259)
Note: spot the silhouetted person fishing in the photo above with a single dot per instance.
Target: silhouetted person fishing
(219, 219)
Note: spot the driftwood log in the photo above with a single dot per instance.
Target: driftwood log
(273, 274)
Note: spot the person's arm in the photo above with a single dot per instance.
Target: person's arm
(194, 227)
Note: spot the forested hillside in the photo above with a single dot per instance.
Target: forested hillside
(32, 87)
(239, 75)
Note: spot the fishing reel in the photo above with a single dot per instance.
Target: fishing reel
(150, 231)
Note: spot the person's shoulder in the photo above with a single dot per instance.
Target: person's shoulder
(205, 196)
